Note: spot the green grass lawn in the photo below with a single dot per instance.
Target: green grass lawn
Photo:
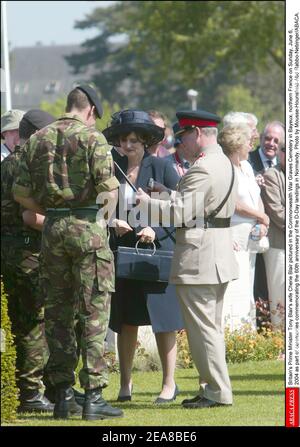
(258, 389)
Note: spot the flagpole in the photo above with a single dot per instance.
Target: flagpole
(6, 58)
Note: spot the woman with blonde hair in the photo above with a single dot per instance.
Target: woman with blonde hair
(239, 305)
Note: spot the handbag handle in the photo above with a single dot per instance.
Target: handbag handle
(137, 250)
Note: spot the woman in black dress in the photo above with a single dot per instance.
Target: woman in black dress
(137, 303)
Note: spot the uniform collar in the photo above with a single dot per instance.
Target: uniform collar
(72, 116)
(212, 149)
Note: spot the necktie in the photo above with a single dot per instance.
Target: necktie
(269, 163)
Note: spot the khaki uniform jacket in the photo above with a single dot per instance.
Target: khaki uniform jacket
(273, 196)
(203, 256)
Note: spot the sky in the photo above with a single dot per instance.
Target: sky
(48, 22)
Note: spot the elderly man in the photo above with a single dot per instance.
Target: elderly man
(265, 156)
(273, 195)
(10, 122)
(203, 261)
(262, 159)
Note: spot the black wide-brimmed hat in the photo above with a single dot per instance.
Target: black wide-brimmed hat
(138, 121)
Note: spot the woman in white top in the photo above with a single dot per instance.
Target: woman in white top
(239, 305)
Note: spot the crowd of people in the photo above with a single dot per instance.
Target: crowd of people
(60, 265)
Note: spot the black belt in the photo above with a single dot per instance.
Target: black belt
(217, 222)
(76, 212)
(212, 222)
(20, 240)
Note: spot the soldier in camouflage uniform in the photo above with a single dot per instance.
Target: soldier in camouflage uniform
(20, 269)
(63, 169)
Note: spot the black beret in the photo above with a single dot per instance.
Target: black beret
(34, 120)
(93, 97)
(38, 118)
(199, 118)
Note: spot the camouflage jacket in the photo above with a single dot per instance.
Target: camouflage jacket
(11, 211)
(65, 165)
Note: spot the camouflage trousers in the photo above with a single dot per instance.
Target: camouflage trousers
(20, 271)
(78, 277)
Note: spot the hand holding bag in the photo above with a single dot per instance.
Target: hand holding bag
(142, 264)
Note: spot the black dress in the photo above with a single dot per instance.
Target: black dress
(140, 303)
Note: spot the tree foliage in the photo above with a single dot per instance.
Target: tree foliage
(57, 109)
(170, 46)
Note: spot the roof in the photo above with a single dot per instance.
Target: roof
(41, 73)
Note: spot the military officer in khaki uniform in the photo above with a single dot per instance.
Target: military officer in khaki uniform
(203, 261)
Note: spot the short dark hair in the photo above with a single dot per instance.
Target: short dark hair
(140, 135)
(77, 99)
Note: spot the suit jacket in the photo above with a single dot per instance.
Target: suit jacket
(273, 196)
(162, 171)
(256, 162)
(204, 256)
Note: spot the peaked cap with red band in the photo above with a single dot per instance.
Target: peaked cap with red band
(197, 118)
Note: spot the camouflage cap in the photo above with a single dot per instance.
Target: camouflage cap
(11, 120)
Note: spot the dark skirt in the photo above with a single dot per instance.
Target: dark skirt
(140, 303)
(137, 303)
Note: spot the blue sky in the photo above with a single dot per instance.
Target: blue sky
(48, 22)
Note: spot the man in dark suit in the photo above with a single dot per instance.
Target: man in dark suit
(263, 158)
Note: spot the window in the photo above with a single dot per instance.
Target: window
(52, 87)
(21, 88)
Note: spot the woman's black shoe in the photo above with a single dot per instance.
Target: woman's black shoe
(125, 398)
(161, 400)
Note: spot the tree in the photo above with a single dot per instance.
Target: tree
(170, 46)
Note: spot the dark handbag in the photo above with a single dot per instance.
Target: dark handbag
(142, 264)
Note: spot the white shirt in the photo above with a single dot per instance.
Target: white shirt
(248, 192)
(265, 160)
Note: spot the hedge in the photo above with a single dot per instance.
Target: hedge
(9, 391)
